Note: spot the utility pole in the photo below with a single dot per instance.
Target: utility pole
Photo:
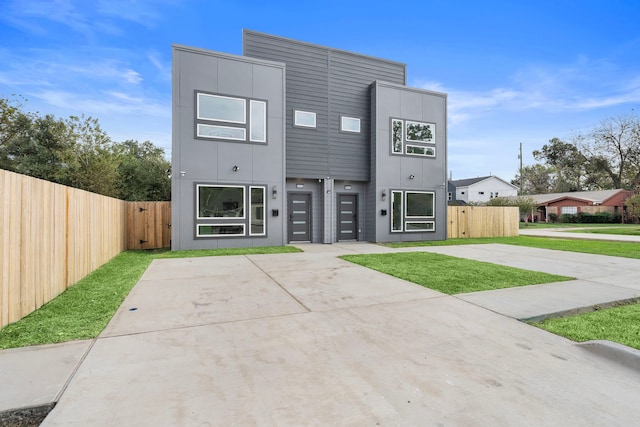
(520, 157)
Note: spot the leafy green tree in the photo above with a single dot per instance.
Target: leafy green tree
(526, 205)
(143, 172)
(537, 179)
(566, 163)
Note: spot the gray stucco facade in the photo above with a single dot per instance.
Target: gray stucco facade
(297, 142)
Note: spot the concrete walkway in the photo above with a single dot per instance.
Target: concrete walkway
(566, 233)
(309, 339)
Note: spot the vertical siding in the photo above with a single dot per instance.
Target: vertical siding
(331, 83)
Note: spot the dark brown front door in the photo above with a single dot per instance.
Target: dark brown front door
(347, 217)
(299, 217)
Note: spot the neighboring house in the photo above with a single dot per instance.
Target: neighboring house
(611, 201)
(294, 142)
(479, 190)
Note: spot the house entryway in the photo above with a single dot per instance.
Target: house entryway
(347, 217)
(299, 206)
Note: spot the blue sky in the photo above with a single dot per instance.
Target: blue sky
(515, 71)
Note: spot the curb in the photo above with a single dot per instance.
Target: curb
(626, 356)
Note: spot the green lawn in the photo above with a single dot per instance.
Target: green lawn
(83, 310)
(599, 247)
(620, 324)
(451, 275)
(631, 230)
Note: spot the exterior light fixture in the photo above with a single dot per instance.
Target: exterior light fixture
(384, 195)
(236, 168)
(274, 192)
(412, 176)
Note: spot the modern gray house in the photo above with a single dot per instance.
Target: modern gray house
(294, 142)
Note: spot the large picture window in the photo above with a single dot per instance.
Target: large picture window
(412, 211)
(419, 131)
(230, 118)
(221, 108)
(230, 210)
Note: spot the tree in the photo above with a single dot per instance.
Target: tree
(537, 179)
(566, 162)
(633, 207)
(525, 204)
(613, 148)
(143, 172)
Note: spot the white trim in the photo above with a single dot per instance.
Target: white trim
(295, 118)
(433, 204)
(264, 210)
(264, 120)
(433, 131)
(349, 118)
(200, 135)
(401, 193)
(433, 149)
(422, 230)
(198, 234)
(244, 108)
(244, 201)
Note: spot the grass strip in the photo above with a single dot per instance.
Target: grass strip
(598, 247)
(451, 275)
(625, 231)
(619, 324)
(83, 310)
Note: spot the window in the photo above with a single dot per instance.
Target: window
(449, 196)
(412, 138)
(220, 210)
(418, 150)
(396, 211)
(304, 119)
(221, 108)
(412, 211)
(228, 118)
(256, 219)
(221, 132)
(258, 114)
(396, 136)
(420, 132)
(349, 124)
(419, 204)
(220, 201)
(569, 210)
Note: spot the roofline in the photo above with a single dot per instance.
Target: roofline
(246, 31)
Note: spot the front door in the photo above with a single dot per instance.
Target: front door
(299, 217)
(347, 217)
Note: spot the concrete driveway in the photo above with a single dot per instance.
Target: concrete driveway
(309, 339)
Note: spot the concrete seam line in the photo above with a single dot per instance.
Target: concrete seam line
(75, 370)
(279, 284)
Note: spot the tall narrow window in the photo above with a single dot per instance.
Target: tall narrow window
(256, 218)
(258, 127)
(396, 136)
(396, 211)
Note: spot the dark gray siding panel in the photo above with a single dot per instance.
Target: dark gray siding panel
(331, 83)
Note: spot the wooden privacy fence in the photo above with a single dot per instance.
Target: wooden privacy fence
(148, 225)
(51, 236)
(482, 221)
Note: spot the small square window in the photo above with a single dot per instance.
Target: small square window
(305, 119)
(349, 124)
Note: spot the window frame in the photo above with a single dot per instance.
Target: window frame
(244, 108)
(394, 135)
(252, 102)
(199, 135)
(244, 198)
(406, 132)
(342, 126)
(401, 210)
(406, 202)
(241, 225)
(406, 220)
(264, 210)
(425, 147)
(433, 228)
(303, 112)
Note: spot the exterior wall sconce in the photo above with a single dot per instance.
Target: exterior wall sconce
(274, 192)
(384, 195)
(412, 176)
(236, 168)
